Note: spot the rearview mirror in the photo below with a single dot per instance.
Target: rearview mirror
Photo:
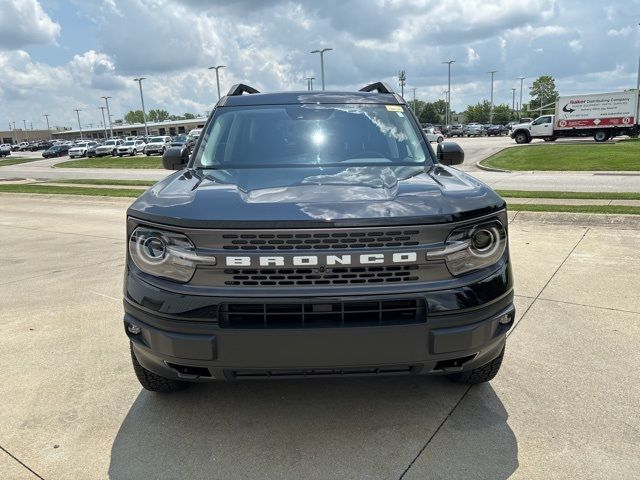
(175, 158)
(450, 153)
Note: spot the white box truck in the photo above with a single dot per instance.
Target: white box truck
(602, 115)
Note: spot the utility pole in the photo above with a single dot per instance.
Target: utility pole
(216, 68)
(103, 122)
(541, 98)
(402, 80)
(25, 129)
(144, 114)
(520, 106)
(448, 112)
(46, 115)
(321, 52)
(492, 72)
(77, 110)
(106, 100)
(513, 101)
(414, 100)
(310, 83)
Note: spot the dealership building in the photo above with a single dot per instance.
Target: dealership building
(169, 127)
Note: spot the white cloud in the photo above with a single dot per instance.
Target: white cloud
(472, 55)
(24, 22)
(575, 45)
(621, 32)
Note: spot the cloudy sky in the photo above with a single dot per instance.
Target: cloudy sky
(57, 55)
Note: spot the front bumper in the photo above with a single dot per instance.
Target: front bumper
(153, 149)
(188, 347)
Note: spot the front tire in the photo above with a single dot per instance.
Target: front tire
(440, 140)
(482, 374)
(153, 382)
(521, 137)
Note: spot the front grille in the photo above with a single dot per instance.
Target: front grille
(322, 314)
(368, 238)
(331, 276)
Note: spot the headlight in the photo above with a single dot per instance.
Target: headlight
(473, 247)
(165, 254)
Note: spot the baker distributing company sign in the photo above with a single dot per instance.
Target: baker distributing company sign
(599, 110)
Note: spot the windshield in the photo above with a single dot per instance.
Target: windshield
(180, 138)
(129, 143)
(110, 142)
(311, 135)
(157, 140)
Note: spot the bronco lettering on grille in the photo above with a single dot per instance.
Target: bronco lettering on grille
(316, 260)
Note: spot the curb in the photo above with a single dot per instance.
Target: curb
(579, 219)
(491, 169)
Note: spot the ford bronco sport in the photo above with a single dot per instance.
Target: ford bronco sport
(316, 234)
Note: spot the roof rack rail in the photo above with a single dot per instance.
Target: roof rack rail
(240, 88)
(379, 87)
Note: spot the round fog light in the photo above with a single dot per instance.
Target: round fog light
(133, 329)
(505, 319)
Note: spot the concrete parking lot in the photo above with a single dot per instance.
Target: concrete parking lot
(565, 404)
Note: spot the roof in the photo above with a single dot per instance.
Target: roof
(306, 97)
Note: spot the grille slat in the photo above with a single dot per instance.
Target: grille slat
(322, 314)
(306, 276)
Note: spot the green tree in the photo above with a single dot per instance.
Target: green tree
(158, 115)
(502, 114)
(478, 113)
(134, 116)
(543, 92)
(188, 116)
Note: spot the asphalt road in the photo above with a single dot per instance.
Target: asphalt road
(476, 149)
(564, 405)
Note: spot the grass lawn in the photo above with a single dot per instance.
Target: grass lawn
(5, 161)
(54, 189)
(573, 195)
(100, 181)
(114, 162)
(608, 209)
(590, 157)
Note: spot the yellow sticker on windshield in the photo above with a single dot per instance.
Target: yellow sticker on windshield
(394, 108)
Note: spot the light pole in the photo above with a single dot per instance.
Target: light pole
(46, 115)
(144, 115)
(106, 100)
(25, 129)
(216, 68)
(321, 52)
(104, 124)
(492, 72)
(77, 110)
(448, 112)
(520, 106)
(513, 101)
(310, 83)
(402, 80)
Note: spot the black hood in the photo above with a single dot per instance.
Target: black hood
(310, 197)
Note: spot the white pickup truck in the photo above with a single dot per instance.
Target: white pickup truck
(5, 149)
(602, 116)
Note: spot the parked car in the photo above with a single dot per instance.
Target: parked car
(80, 149)
(157, 145)
(91, 150)
(195, 133)
(296, 269)
(433, 135)
(184, 140)
(131, 147)
(23, 146)
(473, 130)
(456, 131)
(496, 130)
(5, 149)
(56, 151)
(110, 147)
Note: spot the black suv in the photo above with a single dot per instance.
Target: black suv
(316, 234)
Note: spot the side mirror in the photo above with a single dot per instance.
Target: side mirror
(450, 153)
(175, 158)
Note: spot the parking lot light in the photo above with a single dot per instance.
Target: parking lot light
(217, 68)
(144, 115)
(493, 72)
(46, 115)
(77, 110)
(448, 99)
(321, 52)
(25, 129)
(106, 100)
(520, 106)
